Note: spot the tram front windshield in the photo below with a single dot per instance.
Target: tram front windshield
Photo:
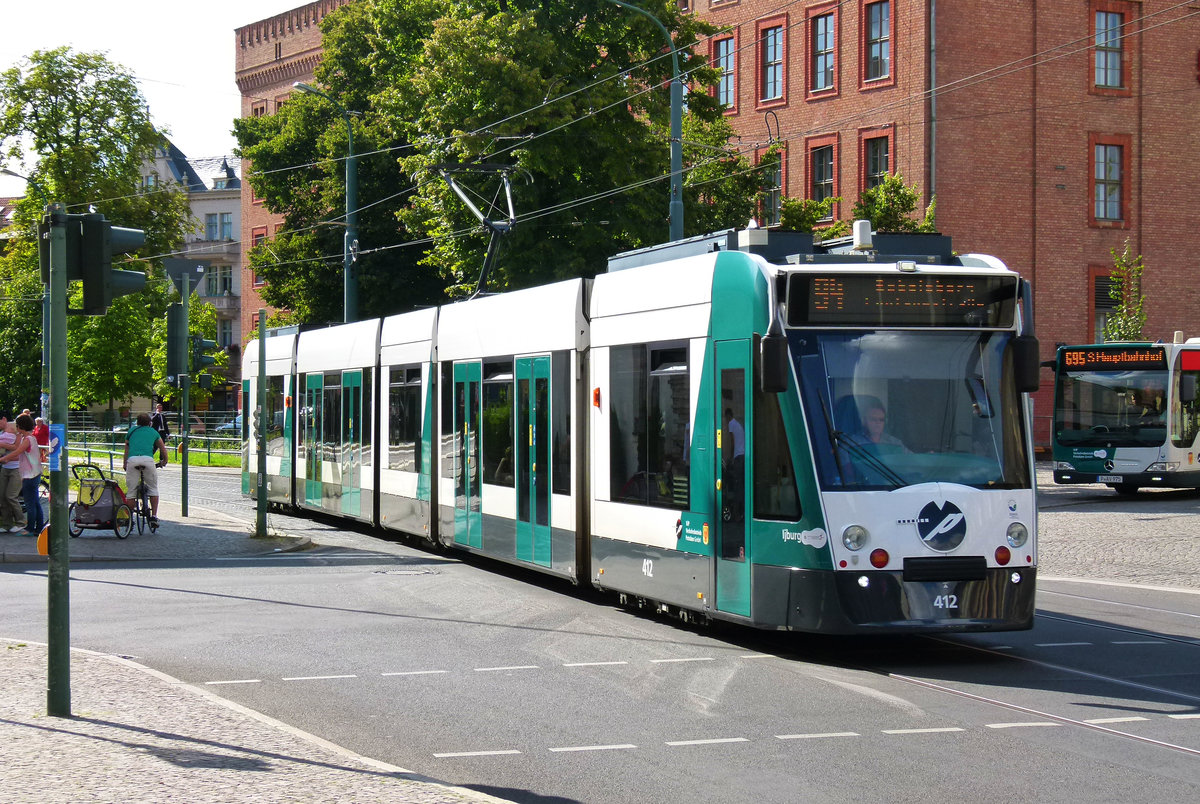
(890, 408)
(1111, 408)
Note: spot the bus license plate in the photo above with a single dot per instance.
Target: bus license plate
(1110, 479)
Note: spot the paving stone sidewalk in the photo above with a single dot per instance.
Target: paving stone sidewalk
(137, 735)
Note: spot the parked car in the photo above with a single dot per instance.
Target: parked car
(231, 427)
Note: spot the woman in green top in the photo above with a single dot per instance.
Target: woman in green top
(140, 446)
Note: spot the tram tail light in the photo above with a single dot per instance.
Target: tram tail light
(880, 558)
(1003, 556)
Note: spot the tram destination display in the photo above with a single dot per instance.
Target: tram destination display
(899, 300)
(1124, 358)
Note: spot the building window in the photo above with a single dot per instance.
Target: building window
(822, 29)
(724, 58)
(220, 184)
(1108, 155)
(770, 57)
(258, 108)
(218, 280)
(258, 280)
(876, 161)
(224, 332)
(210, 226)
(821, 160)
(226, 225)
(1102, 303)
(1109, 49)
(258, 235)
(772, 188)
(878, 45)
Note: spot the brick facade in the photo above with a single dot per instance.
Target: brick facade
(1007, 140)
(272, 54)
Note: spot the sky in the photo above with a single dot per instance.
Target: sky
(182, 54)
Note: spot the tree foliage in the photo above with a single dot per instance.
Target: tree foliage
(889, 207)
(83, 124)
(1127, 320)
(807, 215)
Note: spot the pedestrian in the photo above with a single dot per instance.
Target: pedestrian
(12, 518)
(29, 457)
(159, 422)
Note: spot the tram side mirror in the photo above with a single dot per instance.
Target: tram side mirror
(1187, 388)
(1026, 368)
(774, 363)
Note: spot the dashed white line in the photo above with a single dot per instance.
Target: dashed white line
(514, 667)
(315, 678)
(415, 673)
(1185, 717)
(592, 664)
(1102, 720)
(1138, 642)
(236, 681)
(476, 754)
(710, 742)
(757, 656)
(622, 747)
(922, 731)
(817, 736)
(674, 661)
(1061, 644)
(1031, 724)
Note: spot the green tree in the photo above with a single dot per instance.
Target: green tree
(889, 207)
(1128, 318)
(806, 215)
(83, 123)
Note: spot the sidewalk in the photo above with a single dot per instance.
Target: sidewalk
(138, 735)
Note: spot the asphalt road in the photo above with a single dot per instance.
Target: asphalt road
(524, 688)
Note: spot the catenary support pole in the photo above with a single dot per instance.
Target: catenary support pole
(185, 384)
(260, 431)
(58, 611)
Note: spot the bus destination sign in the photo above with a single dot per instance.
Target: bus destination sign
(1118, 358)
(900, 300)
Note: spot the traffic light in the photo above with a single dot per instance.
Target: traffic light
(204, 381)
(257, 420)
(99, 241)
(200, 360)
(177, 341)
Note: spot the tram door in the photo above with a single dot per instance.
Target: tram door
(533, 459)
(314, 390)
(468, 516)
(246, 417)
(733, 429)
(352, 411)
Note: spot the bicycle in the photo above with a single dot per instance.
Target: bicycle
(140, 497)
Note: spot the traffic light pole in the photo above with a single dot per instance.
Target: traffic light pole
(58, 613)
(185, 384)
(260, 437)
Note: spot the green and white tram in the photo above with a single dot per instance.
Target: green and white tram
(1126, 415)
(743, 426)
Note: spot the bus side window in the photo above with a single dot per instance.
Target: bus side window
(1185, 412)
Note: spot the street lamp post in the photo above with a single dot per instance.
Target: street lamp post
(676, 207)
(350, 243)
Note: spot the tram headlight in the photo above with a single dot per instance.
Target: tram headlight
(1017, 534)
(854, 537)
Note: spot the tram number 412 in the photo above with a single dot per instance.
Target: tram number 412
(648, 567)
(945, 601)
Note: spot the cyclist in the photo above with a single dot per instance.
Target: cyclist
(141, 444)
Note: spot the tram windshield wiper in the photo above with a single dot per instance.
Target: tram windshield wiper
(842, 440)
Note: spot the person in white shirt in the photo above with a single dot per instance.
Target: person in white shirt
(12, 517)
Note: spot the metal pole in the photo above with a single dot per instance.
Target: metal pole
(260, 432)
(185, 382)
(350, 247)
(676, 205)
(58, 665)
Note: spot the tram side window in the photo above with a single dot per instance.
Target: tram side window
(368, 419)
(560, 390)
(447, 429)
(775, 495)
(1185, 416)
(498, 423)
(648, 429)
(404, 418)
(273, 416)
(331, 418)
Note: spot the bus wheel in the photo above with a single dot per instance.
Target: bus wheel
(1126, 488)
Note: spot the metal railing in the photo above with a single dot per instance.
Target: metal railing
(109, 445)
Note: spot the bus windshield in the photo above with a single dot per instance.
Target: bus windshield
(1110, 408)
(892, 408)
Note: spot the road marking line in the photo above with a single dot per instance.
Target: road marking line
(1001, 647)
(1185, 717)
(710, 742)
(315, 678)
(757, 656)
(1115, 719)
(595, 747)
(1019, 725)
(237, 681)
(1138, 642)
(693, 659)
(921, 731)
(476, 754)
(1061, 644)
(814, 736)
(415, 673)
(592, 664)
(514, 667)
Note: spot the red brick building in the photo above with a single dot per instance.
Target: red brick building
(1049, 132)
(272, 54)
